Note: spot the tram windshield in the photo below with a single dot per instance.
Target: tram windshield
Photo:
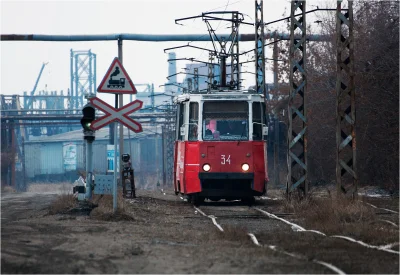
(225, 120)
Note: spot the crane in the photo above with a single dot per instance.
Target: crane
(30, 99)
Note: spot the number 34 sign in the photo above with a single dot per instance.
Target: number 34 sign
(225, 159)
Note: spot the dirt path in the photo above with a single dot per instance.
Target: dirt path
(166, 236)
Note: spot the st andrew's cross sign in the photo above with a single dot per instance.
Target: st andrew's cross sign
(116, 114)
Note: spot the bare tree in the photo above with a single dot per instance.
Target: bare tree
(376, 34)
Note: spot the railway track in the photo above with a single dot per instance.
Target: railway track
(268, 231)
(255, 223)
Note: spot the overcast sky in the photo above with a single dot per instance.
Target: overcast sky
(145, 62)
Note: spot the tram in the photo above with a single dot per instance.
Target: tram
(220, 147)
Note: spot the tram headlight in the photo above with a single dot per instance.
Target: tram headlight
(206, 167)
(245, 167)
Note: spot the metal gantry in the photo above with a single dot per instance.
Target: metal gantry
(83, 76)
(346, 170)
(259, 50)
(297, 126)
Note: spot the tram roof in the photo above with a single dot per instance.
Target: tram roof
(220, 95)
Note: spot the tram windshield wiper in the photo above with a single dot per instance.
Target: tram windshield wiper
(244, 129)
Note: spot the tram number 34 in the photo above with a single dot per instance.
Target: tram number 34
(225, 159)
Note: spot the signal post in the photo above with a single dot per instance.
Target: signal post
(88, 135)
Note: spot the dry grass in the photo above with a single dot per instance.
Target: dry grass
(100, 207)
(342, 216)
(63, 204)
(8, 189)
(148, 182)
(234, 234)
(331, 213)
(61, 188)
(104, 209)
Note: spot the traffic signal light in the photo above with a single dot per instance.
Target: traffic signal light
(88, 112)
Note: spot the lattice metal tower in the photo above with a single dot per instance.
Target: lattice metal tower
(83, 77)
(346, 169)
(259, 50)
(169, 143)
(297, 126)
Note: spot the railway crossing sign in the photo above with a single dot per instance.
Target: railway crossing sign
(116, 114)
(116, 80)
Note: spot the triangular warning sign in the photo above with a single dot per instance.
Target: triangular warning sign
(116, 80)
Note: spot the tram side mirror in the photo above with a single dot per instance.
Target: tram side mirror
(182, 130)
(265, 130)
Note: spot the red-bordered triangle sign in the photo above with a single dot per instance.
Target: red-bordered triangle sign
(117, 80)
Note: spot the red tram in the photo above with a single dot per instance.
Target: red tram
(220, 147)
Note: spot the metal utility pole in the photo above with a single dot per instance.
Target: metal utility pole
(163, 140)
(259, 50)
(275, 57)
(276, 150)
(115, 189)
(346, 169)
(89, 168)
(121, 128)
(297, 126)
(276, 115)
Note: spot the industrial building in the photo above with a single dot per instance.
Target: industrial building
(62, 157)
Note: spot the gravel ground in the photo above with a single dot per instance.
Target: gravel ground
(167, 235)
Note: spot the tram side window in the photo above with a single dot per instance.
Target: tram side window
(258, 111)
(193, 121)
(181, 116)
